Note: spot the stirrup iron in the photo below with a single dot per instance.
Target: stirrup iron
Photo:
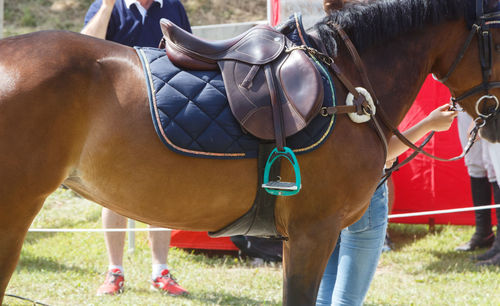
(278, 187)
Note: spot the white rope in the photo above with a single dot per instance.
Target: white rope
(101, 230)
(443, 211)
(95, 230)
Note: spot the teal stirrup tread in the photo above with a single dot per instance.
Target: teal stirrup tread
(278, 187)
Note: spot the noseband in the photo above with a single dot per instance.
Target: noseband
(481, 28)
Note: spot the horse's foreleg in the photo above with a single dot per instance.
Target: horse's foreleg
(305, 256)
(15, 219)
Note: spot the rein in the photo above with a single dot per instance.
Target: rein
(362, 107)
(384, 117)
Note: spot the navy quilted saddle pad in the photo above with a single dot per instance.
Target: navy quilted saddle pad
(191, 113)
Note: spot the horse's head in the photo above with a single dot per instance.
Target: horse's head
(473, 73)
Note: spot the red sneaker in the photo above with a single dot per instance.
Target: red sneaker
(113, 283)
(166, 283)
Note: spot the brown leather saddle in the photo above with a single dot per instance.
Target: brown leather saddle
(273, 88)
(273, 91)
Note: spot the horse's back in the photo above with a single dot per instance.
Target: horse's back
(46, 52)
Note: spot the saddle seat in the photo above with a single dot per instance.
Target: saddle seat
(259, 45)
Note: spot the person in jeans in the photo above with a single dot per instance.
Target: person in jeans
(354, 260)
(134, 23)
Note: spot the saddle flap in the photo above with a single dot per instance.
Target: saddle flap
(299, 87)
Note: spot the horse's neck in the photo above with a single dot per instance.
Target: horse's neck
(398, 69)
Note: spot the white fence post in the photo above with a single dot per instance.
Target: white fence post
(269, 12)
(131, 234)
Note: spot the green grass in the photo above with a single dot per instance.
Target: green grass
(425, 270)
(67, 268)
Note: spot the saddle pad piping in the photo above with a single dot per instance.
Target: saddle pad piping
(334, 116)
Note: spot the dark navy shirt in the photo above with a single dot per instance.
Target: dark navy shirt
(126, 27)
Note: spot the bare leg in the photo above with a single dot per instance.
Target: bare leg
(161, 277)
(115, 241)
(160, 243)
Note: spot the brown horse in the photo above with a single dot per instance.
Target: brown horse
(74, 110)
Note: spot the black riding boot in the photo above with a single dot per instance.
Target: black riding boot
(481, 195)
(492, 256)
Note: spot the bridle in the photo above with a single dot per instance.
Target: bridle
(480, 28)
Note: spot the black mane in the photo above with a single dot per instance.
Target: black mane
(372, 22)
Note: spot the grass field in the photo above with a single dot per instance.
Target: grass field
(67, 268)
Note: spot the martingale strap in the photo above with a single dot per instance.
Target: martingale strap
(359, 100)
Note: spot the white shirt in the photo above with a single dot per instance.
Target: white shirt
(140, 8)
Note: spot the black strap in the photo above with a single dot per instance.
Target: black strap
(461, 54)
(397, 164)
(484, 87)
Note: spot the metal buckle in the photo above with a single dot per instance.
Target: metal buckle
(489, 97)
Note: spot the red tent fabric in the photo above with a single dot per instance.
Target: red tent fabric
(201, 241)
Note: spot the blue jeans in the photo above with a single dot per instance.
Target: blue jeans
(354, 260)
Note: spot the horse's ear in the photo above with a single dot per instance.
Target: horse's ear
(331, 5)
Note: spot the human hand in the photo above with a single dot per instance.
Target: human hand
(441, 118)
